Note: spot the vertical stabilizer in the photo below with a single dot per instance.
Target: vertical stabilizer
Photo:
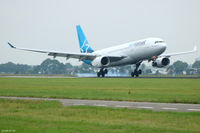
(83, 42)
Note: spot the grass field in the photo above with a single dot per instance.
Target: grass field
(152, 90)
(51, 117)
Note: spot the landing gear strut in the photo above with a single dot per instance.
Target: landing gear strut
(102, 72)
(136, 72)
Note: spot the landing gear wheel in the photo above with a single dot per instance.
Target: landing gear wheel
(102, 72)
(98, 74)
(132, 74)
(140, 71)
(105, 71)
(137, 75)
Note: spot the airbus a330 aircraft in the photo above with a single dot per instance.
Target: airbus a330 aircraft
(150, 49)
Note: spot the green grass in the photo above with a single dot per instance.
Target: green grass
(152, 90)
(51, 117)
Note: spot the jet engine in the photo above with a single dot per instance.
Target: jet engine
(101, 61)
(161, 62)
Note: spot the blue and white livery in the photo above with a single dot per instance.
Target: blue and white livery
(135, 52)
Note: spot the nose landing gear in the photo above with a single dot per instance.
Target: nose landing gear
(102, 72)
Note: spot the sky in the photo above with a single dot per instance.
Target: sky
(51, 25)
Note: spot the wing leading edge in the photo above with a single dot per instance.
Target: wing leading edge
(180, 53)
(80, 56)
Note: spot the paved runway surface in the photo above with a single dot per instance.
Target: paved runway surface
(121, 104)
(46, 76)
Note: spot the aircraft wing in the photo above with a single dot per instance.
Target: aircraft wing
(80, 56)
(179, 53)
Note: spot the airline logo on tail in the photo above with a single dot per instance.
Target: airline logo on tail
(83, 42)
(85, 48)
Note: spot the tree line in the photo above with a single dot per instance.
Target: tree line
(52, 66)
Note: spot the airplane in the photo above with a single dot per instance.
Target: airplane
(150, 49)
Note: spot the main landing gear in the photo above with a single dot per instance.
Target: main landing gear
(136, 72)
(102, 72)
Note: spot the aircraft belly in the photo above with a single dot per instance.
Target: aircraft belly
(133, 55)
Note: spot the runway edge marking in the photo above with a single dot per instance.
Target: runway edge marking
(193, 109)
(144, 107)
(169, 108)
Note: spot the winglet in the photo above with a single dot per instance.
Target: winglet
(195, 48)
(11, 45)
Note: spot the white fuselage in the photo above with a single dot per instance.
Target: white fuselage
(135, 51)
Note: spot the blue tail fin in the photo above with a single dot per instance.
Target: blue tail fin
(83, 42)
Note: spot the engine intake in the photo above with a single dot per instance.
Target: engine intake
(102, 61)
(161, 62)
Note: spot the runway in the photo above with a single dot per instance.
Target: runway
(121, 104)
(58, 76)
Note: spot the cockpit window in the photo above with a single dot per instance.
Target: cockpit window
(159, 42)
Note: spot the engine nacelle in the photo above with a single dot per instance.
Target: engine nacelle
(101, 61)
(161, 62)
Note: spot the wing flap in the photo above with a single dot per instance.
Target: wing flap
(80, 56)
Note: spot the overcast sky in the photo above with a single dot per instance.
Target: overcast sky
(51, 24)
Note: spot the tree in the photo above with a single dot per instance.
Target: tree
(143, 66)
(148, 71)
(8, 67)
(49, 66)
(85, 68)
(196, 64)
(68, 65)
(170, 69)
(157, 72)
(36, 69)
(14, 68)
(179, 67)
